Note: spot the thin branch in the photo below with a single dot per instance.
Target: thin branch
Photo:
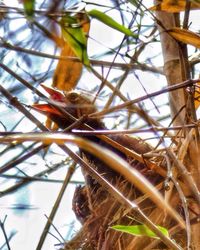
(186, 175)
(39, 179)
(139, 99)
(4, 232)
(99, 63)
(128, 131)
(39, 12)
(119, 131)
(56, 205)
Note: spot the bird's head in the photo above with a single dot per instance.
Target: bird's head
(75, 103)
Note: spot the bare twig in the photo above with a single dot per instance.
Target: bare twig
(56, 205)
(187, 177)
(2, 223)
(139, 99)
(131, 66)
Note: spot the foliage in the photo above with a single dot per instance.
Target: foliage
(135, 110)
(74, 35)
(139, 230)
(110, 22)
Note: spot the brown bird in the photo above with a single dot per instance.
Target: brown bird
(78, 105)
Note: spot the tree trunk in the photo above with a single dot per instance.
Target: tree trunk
(176, 69)
(172, 64)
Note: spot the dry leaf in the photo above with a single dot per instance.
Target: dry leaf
(185, 36)
(68, 72)
(174, 6)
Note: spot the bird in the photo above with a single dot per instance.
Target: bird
(79, 105)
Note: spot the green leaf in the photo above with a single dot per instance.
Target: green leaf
(140, 230)
(73, 34)
(110, 22)
(29, 7)
(134, 2)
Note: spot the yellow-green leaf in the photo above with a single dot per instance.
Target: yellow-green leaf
(73, 34)
(29, 7)
(110, 22)
(174, 6)
(185, 36)
(140, 230)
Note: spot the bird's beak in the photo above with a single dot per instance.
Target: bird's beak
(45, 109)
(56, 96)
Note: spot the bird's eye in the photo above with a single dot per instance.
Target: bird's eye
(73, 97)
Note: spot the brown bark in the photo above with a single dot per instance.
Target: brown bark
(172, 64)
